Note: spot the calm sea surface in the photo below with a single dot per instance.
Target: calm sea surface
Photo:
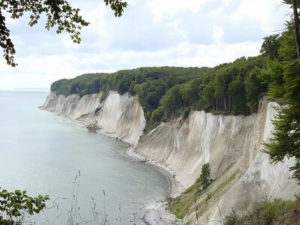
(42, 153)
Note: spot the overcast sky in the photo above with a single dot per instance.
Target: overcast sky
(150, 33)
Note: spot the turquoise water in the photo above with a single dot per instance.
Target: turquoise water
(42, 153)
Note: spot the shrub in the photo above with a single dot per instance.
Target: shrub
(205, 176)
(15, 205)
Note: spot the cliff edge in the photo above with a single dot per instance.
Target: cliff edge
(232, 146)
(118, 116)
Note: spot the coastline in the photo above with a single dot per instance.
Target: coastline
(175, 187)
(157, 214)
(232, 144)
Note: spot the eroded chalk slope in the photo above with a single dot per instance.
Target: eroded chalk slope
(232, 145)
(118, 116)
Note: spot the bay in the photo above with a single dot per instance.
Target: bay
(43, 153)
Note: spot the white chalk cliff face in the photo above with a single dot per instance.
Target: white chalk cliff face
(118, 116)
(230, 144)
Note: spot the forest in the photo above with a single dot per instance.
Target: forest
(166, 92)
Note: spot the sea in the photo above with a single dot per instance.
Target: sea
(88, 176)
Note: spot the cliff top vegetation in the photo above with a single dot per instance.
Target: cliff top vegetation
(166, 92)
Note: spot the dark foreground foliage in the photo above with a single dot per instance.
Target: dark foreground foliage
(15, 205)
(276, 212)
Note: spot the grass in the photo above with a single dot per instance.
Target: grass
(267, 212)
(224, 184)
(195, 199)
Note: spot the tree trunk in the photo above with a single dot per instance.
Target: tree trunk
(296, 27)
(225, 105)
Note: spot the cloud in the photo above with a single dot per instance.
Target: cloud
(150, 33)
(170, 8)
(137, 31)
(263, 12)
(243, 30)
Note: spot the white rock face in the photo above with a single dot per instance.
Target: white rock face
(185, 147)
(261, 179)
(119, 116)
(122, 117)
(72, 106)
(230, 144)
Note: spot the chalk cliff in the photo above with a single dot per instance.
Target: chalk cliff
(118, 116)
(230, 144)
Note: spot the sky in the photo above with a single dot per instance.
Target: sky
(188, 33)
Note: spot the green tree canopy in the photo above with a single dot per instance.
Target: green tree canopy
(271, 46)
(283, 79)
(286, 140)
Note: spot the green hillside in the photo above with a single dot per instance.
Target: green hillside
(166, 92)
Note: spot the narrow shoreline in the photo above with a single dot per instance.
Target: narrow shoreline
(158, 213)
(169, 177)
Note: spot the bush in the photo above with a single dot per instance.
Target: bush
(205, 176)
(14, 205)
(276, 212)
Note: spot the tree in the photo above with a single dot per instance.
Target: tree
(254, 89)
(284, 85)
(59, 14)
(295, 4)
(205, 176)
(237, 97)
(287, 50)
(286, 140)
(273, 76)
(14, 205)
(270, 46)
(171, 102)
(296, 26)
